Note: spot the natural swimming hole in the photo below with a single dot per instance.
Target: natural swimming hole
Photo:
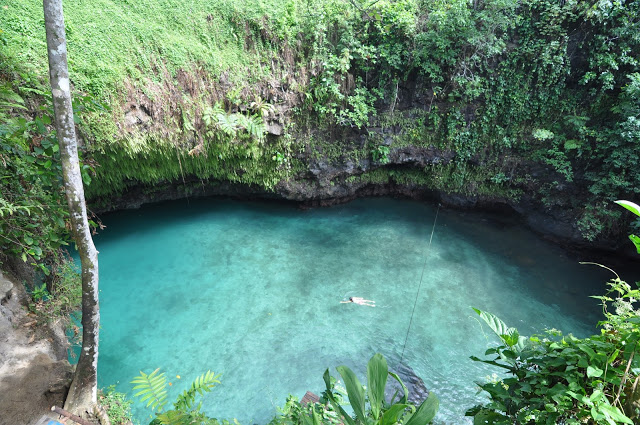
(252, 290)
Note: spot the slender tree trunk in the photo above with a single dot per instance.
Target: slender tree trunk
(83, 392)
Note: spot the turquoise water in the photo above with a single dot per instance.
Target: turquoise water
(253, 291)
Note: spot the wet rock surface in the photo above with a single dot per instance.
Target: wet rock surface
(418, 391)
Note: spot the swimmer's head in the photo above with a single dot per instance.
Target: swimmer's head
(351, 299)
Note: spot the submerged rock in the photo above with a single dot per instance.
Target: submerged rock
(417, 389)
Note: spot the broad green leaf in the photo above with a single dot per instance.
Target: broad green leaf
(636, 241)
(587, 350)
(316, 418)
(634, 208)
(615, 413)
(390, 417)
(355, 392)
(595, 414)
(490, 417)
(405, 396)
(512, 338)
(426, 412)
(594, 372)
(377, 372)
(498, 326)
(508, 335)
(306, 420)
(327, 380)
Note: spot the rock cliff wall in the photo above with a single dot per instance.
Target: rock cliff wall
(34, 371)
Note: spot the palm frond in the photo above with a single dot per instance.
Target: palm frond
(203, 383)
(152, 388)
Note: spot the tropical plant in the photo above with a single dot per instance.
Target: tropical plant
(634, 208)
(380, 154)
(560, 379)
(369, 404)
(555, 379)
(234, 124)
(294, 413)
(40, 293)
(152, 388)
(116, 405)
(261, 107)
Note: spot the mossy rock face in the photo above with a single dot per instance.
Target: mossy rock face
(449, 97)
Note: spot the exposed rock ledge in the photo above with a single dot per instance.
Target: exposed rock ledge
(34, 371)
(554, 223)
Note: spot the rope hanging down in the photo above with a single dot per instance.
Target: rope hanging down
(420, 284)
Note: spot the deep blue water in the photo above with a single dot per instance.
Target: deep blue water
(253, 290)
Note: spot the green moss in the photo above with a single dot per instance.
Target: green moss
(449, 178)
(152, 161)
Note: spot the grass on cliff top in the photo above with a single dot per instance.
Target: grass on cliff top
(112, 40)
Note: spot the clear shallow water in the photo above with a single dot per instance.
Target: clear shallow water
(253, 291)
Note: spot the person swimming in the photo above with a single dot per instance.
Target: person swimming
(360, 301)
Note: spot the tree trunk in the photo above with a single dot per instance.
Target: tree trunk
(83, 392)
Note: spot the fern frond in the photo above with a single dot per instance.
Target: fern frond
(253, 125)
(256, 127)
(228, 123)
(203, 383)
(210, 114)
(152, 388)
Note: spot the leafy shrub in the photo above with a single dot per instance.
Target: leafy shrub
(380, 154)
(40, 293)
(294, 413)
(560, 379)
(117, 406)
(369, 404)
(61, 295)
(152, 389)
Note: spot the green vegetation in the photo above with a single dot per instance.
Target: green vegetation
(32, 208)
(61, 295)
(368, 403)
(553, 378)
(468, 180)
(185, 91)
(152, 390)
(511, 86)
(33, 211)
(377, 411)
(116, 405)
